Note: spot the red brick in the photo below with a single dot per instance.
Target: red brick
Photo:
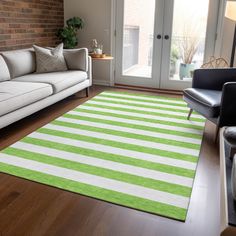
(27, 22)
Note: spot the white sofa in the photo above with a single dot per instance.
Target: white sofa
(24, 92)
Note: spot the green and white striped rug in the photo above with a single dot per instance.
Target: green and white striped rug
(129, 149)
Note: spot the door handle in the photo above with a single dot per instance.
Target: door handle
(159, 36)
(167, 37)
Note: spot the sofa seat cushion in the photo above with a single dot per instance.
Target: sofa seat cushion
(59, 80)
(206, 102)
(15, 95)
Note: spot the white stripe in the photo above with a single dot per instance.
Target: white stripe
(155, 99)
(114, 138)
(130, 130)
(135, 122)
(141, 103)
(113, 150)
(110, 165)
(143, 115)
(100, 182)
(165, 112)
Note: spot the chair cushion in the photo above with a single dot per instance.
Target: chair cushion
(59, 80)
(15, 95)
(4, 75)
(206, 102)
(20, 62)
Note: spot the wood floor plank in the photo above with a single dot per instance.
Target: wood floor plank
(28, 208)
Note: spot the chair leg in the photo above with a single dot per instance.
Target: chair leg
(190, 113)
(87, 91)
(217, 133)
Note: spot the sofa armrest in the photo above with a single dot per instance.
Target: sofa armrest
(228, 105)
(77, 59)
(213, 79)
(90, 74)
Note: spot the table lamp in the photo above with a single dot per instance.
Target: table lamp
(230, 13)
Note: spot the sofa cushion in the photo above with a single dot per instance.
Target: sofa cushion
(20, 62)
(50, 60)
(76, 59)
(15, 95)
(4, 72)
(206, 102)
(58, 80)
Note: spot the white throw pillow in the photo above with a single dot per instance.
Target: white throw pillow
(50, 60)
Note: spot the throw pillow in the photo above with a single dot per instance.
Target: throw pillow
(50, 60)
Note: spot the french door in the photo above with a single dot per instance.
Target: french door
(160, 42)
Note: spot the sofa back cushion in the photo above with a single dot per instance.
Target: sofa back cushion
(4, 72)
(20, 62)
(76, 59)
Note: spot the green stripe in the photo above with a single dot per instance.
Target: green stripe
(87, 104)
(102, 172)
(128, 135)
(95, 192)
(112, 157)
(126, 146)
(104, 95)
(99, 99)
(154, 121)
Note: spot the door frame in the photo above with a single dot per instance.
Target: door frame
(215, 20)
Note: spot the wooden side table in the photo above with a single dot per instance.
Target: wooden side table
(103, 58)
(102, 70)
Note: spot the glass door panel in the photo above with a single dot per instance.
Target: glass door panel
(138, 31)
(189, 32)
(188, 38)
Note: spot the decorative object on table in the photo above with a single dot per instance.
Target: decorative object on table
(215, 63)
(96, 50)
(144, 157)
(230, 13)
(68, 34)
(230, 141)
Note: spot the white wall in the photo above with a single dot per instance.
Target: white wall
(97, 16)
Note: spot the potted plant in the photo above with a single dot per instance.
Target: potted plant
(188, 47)
(68, 34)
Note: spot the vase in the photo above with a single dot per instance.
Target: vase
(185, 70)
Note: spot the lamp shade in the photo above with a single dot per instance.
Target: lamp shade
(230, 12)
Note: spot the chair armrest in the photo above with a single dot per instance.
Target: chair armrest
(228, 105)
(77, 59)
(213, 78)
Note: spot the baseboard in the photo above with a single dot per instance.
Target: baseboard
(102, 82)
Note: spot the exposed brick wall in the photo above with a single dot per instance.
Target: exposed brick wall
(27, 22)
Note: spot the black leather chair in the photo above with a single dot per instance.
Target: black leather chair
(213, 95)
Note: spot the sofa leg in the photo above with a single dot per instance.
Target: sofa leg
(87, 92)
(217, 133)
(190, 113)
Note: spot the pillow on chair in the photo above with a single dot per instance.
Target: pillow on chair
(50, 60)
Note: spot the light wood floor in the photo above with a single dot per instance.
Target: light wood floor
(28, 208)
